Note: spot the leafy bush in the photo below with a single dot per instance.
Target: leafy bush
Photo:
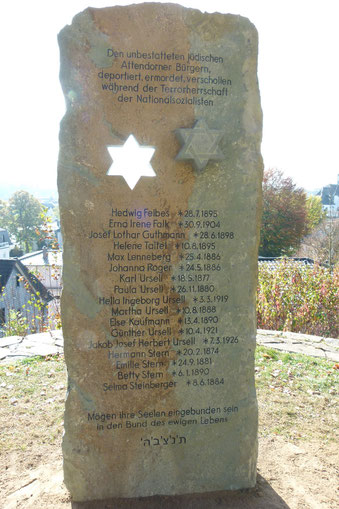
(17, 325)
(296, 297)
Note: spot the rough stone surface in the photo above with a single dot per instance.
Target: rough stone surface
(161, 393)
(16, 348)
(316, 346)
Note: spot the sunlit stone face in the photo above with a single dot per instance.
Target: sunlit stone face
(158, 303)
(131, 161)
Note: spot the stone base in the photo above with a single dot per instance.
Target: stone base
(255, 498)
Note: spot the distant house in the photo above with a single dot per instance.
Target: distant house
(21, 291)
(47, 265)
(5, 243)
(330, 198)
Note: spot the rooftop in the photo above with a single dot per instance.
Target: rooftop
(37, 258)
(8, 265)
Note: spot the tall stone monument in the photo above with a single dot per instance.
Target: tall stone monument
(159, 183)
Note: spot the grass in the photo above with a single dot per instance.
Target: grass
(32, 396)
(297, 394)
(297, 398)
(293, 372)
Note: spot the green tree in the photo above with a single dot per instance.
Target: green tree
(284, 219)
(315, 212)
(23, 216)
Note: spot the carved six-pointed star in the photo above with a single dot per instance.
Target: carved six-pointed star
(200, 144)
(131, 161)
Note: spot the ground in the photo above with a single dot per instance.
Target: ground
(298, 455)
(295, 476)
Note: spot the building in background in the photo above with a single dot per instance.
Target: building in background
(5, 244)
(330, 199)
(23, 293)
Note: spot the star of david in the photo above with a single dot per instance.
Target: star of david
(131, 161)
(200, 144)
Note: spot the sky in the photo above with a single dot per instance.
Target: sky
(298, 78)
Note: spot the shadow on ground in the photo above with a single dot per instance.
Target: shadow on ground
(262, 496)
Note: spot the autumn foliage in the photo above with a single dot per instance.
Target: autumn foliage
(284, 219)
(296, 297)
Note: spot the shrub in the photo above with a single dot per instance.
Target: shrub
(16, 326)
(296, 297)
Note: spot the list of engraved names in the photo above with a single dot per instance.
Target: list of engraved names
(163, 312)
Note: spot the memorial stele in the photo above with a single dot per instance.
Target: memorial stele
(159, 181)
